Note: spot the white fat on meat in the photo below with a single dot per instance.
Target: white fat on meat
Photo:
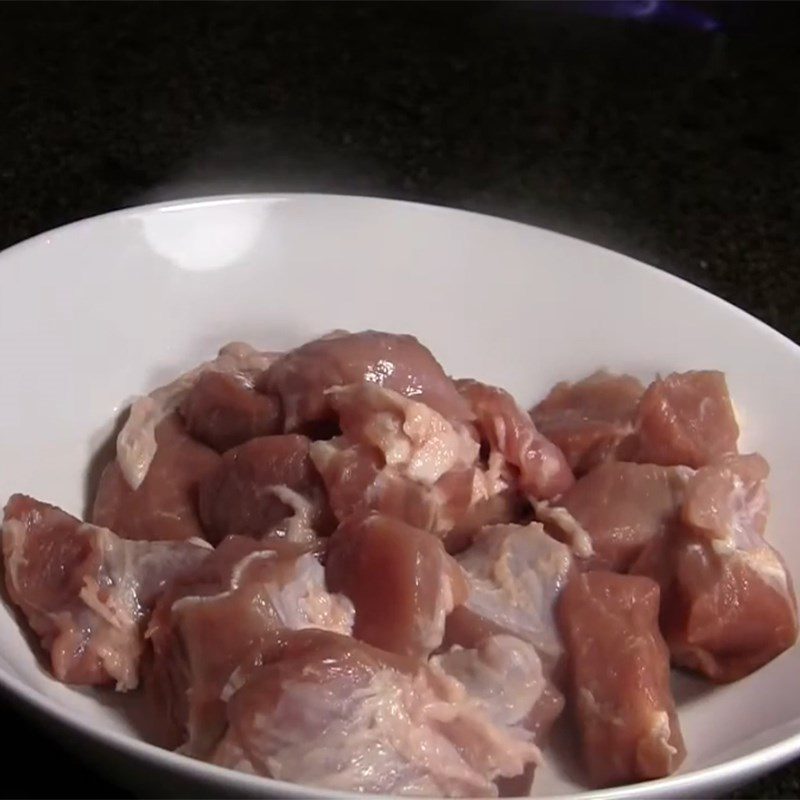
(430, 631)
(492, 481)
(136, 442)
(415, 440)
(393, 733)
(378, 743)
(515, 574)
(107, 626)
(299, 527)
(304, 601)
(661, 732)
(300, 602)
(504, 675)
(131, 577)
(91, 619)
(576, 535)
(737, 530)
(767, 564)
(728, 503)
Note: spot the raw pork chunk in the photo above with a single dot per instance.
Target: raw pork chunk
(330, 711)
(400, 579)
(611, 513)
(205, 629)
(619, 678)
(223, 410)
(686, 418)
(302, 377)
(728, 605)
(515, 574)
(85, 592)
(164, 506)
(509, 431)
(591, 420)
(405, 460)
(506, 675)
(411, 436)
(267, 486)
(137, 443)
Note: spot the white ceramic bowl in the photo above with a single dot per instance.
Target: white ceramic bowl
(97, 311)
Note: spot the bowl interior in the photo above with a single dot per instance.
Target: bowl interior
(96, 312)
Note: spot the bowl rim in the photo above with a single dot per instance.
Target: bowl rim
(177, 204)
(726, 773)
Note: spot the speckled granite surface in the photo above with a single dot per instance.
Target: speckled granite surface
(673, 143)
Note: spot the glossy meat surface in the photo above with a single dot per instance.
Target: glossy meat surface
(619, 507)
(728, 603)
(85, 592)
(164, 506)
(267, 486)
(338, 566)
(686, 418)
(591, 420)
(223, 410)
(400, 579)
(302, 377)
(619, 678)
(510, 432)
(219, 621)
(332, 712)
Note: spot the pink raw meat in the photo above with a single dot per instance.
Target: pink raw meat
(267, 486)
(208, 627)
(590, 420)
(222, 410)
(728, 603)
(404, 609)
(453, 509)
(85, 592)
(329, 711)
(509, 431)
(618, 508)
(302, 376)
(619, 678)
(686, 418)
(515, 575)
(165, 504)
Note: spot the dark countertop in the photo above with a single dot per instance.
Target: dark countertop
(676, 141)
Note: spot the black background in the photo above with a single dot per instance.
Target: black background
(671, 136)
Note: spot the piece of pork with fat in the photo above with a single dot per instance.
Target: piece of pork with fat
(86, 592)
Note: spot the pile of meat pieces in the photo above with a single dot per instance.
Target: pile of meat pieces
(339, 566)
